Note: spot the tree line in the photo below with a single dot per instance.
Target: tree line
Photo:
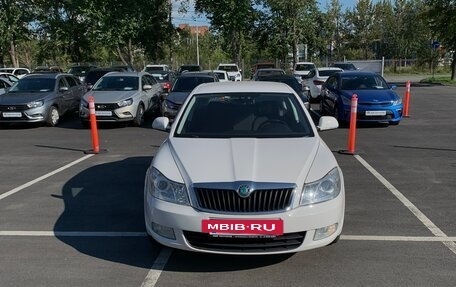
(37, 32)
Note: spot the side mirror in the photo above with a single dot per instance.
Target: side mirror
(327, 123)
(147, 87)
(63, 89)
(89, 87)
(393, 87)
(161, 124)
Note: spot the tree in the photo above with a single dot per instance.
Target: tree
(361, 26)
(441, 16)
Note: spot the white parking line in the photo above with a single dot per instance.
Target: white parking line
(156, 270)
(398, 238)
(423, 218)
(72, 234)
(30, 183)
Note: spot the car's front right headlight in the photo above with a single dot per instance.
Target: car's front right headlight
(162, 188)
(322, 190)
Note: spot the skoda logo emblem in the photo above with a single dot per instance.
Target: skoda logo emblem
(244, 191)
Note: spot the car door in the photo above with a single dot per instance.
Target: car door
(77, 91)
(64, 95)
(154, 93)
(329, 93)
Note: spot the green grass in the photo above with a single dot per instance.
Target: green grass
(442, 80)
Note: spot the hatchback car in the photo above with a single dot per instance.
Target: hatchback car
(41, 98)
(122, 97)
(182, 87)
(316, 78)
(244, 171)
(377, 101)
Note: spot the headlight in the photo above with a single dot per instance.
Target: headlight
(170, 105)
(35, 104)
(397, 101)
(162, 188)
(322, 190)
(84, 104)
(125, 103)
(346, 101)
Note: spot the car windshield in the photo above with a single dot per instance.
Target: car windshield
(363, 82)
(79, 71)
(154, 68)
(228, 68)
(304, 67)
(244, 115)
(187, 84)
(33, 85)
(269, 73)
(326, 73)
(161, 78)
(117, 83)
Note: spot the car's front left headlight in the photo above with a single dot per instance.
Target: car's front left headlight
(124, 103)
(322, 190)
(162, 188)
(35, 104)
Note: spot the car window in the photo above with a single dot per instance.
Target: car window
(151, 80)
(34, 85)
(228, 68)
(117, 83)
(332, 82)
(304, 67)
(327, 73)
(63, 83)
(71, 81)
(257, 115)
(363, 82)
(187, 84)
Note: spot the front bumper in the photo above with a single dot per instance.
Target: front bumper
(392, 114)
(109, 114)
(186, 224)
(22, 115)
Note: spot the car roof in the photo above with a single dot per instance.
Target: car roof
(329, 68)
(208, 74)
(126, 74)
(243, 87)
(358, 73)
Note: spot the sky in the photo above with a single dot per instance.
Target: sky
(194, 20)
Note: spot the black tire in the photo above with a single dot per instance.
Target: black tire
(139, 119)
(53, 117)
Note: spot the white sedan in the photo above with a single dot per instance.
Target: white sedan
(316, 78)
(244, 171)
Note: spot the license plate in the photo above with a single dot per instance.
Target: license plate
(243, 227)
(375, 113)
(103, 113)
(12, 115)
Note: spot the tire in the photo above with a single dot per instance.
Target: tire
(52, 117)
(139, 119)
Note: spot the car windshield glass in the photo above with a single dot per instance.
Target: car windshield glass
(93, 76)
(304, 67)
(228, 68)
(252, 115)
(363, 82)
(161, 78)
(187, 84)
(33, 85)
(154, 68)
(117, 83)
(326, 73)
(269, 73)
(189, 68)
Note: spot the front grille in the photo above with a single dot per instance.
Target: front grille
(204, 241)
(106, 107)
(13, 108)
(228, 200)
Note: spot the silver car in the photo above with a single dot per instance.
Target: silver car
(41, 97)
(122, 97)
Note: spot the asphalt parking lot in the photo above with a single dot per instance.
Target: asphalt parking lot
(71, 219)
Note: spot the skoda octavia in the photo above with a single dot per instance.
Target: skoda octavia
(244, 171)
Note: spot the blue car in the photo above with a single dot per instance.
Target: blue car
(377, 101)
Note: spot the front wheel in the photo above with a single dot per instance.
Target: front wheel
(53, 117)
(139, 119)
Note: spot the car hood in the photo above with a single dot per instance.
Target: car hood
(110, 96)
(22, 98)
(376, 96)
(178, 97)
(290, 160)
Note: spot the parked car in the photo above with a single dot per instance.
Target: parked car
(262, 65)
(52, 69)
(234, 73)
(9, 77)
(293, 83)
(151, 68)
(18, 72)
(377, 101)
(41, 98)
(301, 69)
(316, 78)
(222, 75)
(95, 74)
(346, 66)
(165, 78)
(182, 87)
(244, 171)
(122, 97)
(81, 71)
(261, 74)
(124, 68)
(5, 85)
(189, 68)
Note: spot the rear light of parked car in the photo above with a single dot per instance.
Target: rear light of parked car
(166, 86)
